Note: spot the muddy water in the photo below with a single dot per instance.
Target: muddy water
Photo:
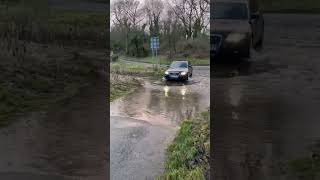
(143, 123)
(67, 142)
(267, 108)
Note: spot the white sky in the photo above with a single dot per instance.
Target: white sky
(111, 1)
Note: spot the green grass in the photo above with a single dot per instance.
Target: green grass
(188, 155)
(166, 61)
(76, 28)
(27, 98)
(38, 82)
(133, 69)
(291, 6)
(80, 18)
(124, 77)
(305, 168)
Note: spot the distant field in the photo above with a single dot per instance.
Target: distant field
(291, 6)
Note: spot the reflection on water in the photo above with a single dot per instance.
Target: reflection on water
(158, 104)
(166, 90)
(183, 91)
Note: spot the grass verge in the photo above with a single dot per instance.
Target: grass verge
(135, 69)
(39, 80)
(305, 168)
(166, 61)
(188, 155)
(122, 85)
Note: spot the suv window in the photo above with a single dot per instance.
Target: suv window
(230, 10)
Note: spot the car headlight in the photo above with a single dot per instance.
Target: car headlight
(235, 37)
(166, 72)
(183, 73)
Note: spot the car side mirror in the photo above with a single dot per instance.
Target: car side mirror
(254, 16)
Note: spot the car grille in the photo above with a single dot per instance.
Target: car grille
(174, 73)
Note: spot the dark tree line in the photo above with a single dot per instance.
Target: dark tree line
(174, 21)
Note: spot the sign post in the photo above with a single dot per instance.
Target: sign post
(155, 45)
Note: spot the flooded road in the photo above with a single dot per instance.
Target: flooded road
(67, 142)
(145, 122)
(266, 109)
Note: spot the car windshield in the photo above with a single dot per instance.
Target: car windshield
(177, 64)
(230, 10)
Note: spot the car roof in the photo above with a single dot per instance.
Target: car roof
(181, 61)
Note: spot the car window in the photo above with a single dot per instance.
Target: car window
(230, 10)
(179, 65)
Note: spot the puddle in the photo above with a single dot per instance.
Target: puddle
(163, 104)
(164, 82)
(243, 67)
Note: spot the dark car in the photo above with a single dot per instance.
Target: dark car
(179, 70)
(236, 27)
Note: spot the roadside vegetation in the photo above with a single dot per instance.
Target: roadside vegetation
(124, 76)
(306, 167)
(137, 70)
(188, 155)
(291, 6)
(182, 35)
(121, 85)
(165, 61)
(46, 56)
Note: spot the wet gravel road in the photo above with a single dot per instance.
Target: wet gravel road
(67, 142)
(266, 109)
(145, 122)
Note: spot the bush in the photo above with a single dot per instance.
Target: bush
(188, 155)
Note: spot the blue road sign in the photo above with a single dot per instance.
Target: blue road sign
(154, 43)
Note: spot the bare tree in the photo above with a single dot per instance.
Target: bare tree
(202, 15)
(193, 15)
(184, 11)
(127, 14)
(153, 9)
(171, 28)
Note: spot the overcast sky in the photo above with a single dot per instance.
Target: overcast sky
(111, 1)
